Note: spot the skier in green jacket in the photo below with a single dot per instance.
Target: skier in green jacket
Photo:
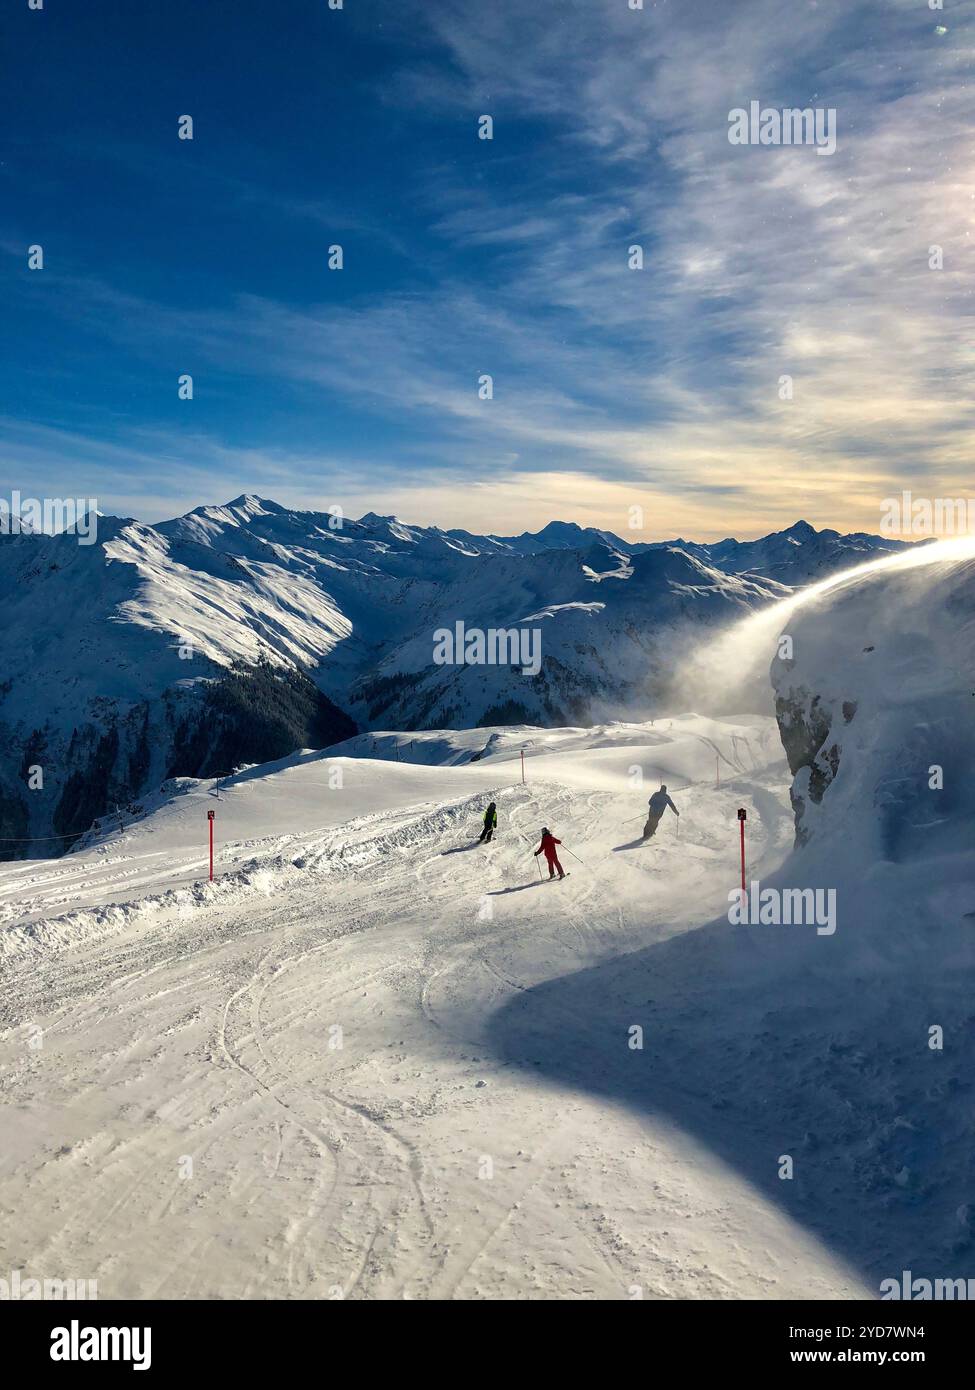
(490, 823)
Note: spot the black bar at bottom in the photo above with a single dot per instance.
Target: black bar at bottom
(308, 1338)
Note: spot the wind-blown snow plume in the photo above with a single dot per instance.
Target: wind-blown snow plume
(730, 670)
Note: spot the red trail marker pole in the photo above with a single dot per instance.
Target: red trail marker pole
(210, 822)
(742, 817)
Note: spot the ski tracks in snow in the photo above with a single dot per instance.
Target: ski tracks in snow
(289, 1093)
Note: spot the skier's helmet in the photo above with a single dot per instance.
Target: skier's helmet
(545, 830)
(663, 786)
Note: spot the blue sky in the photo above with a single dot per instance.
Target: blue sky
(614, 388)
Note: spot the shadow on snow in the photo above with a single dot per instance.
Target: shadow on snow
(766, 1043)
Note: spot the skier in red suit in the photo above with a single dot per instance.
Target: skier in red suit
(547, 847)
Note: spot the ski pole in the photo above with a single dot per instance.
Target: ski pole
(574, 856)
(538, 866)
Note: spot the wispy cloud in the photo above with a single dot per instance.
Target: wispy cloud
(660, 385)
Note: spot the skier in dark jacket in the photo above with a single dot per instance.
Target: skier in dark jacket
(490, 823)
(547, 847)
(658, 805)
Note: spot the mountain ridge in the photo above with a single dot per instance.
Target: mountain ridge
(153, 652)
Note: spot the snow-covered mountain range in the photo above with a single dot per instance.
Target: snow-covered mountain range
(237, 633)
(476, 998)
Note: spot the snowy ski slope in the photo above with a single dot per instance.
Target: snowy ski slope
(188, 1023)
